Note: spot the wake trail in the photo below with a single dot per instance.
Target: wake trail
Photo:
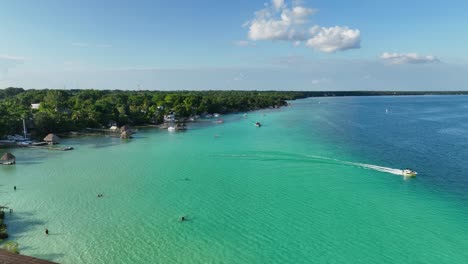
(364, 165)
(377, 168)
(288, 156)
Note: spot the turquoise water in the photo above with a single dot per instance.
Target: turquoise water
(288, 192)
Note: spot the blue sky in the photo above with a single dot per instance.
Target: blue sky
(276, 44)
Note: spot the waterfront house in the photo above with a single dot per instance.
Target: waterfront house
(52, 139)
(8, 159)
(169, 118)
(35, 106)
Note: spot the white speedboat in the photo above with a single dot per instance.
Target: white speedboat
(409, 173)
(258, 124)
(171, 128)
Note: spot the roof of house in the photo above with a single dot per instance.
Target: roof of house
(11, 258)
(51, 138)
(7, 157)
(125, 128)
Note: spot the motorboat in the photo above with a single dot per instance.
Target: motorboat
(171, 128)
(409, 173)
(258, 124)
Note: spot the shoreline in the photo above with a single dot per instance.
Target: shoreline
(311, 94)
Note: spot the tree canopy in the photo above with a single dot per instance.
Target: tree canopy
(67, 110)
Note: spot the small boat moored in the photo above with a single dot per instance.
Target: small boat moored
(409, 173)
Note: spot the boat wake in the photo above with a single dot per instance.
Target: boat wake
(377, 168)
(365, 166)
(319, 159)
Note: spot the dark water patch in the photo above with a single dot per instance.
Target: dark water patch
(424, 133)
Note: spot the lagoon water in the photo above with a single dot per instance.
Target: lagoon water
(288, 192)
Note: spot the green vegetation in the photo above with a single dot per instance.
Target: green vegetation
(11, 246)
(72, 110)
(3, 231)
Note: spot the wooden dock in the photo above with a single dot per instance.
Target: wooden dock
(48, 147)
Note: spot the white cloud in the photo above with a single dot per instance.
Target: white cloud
(244, 43)
(279, 22)
(408, 58)
(278, 4)
(335, 39)
(290, 22)
(11, 58)
(320, 81)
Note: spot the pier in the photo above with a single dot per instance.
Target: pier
(45, 146)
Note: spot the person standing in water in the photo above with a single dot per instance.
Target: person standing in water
(47, 231)
(14, 187)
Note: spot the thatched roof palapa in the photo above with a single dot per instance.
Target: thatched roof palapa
(125, 128)
(125, 135)
(8, 157)
(52, 138)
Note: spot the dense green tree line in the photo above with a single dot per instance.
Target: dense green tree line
(68, 110)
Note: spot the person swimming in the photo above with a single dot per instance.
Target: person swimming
(47, 231)
(182, 218)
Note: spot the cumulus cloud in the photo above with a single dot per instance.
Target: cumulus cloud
(280, 21)
(319, 81)
(278, 4)
(335, 39)
(408, 58)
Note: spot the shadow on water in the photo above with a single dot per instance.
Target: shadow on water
(50, 256)
(29, 162)
(20, 223)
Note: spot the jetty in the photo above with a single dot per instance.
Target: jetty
(46, 146)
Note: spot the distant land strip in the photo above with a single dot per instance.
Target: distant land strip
(61, 111)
